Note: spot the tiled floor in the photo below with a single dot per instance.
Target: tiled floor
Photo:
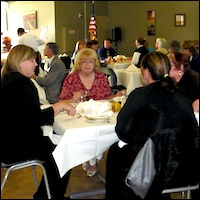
(20, 184)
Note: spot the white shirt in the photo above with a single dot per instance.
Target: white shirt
(136, 56)
(31, 40)
(47, 65)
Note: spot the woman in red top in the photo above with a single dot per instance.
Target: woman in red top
(86, 78)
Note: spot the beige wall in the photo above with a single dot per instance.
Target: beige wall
(130, 16)
(133, 21)
(45, 17)
(70, 27)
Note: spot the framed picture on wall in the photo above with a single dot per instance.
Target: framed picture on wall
(151, 22)
(180, 19)
(30, 20)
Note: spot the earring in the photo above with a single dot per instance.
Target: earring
(179, 72)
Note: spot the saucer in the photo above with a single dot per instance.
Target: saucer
(97, 119)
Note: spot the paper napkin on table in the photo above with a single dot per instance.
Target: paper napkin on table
(132, 68)
(93, 108)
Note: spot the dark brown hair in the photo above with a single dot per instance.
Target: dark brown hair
(191, 47)
(178, 59)
(159, 66)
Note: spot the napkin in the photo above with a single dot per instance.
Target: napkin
(132, 68)
(93, 108)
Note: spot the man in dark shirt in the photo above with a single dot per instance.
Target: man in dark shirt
(106, 50)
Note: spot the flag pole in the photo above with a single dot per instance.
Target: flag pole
(92, 36)
(85, 20)
(92, 25)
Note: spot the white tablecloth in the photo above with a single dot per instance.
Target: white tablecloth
(81, 140)
(120, 65)
(130, 80)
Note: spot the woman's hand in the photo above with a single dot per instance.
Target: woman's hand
(121, 93)
(64, 105)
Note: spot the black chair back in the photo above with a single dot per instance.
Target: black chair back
(66, 60)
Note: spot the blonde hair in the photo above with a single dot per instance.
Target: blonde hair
(86, 53)
(78, 44)
(16, 55)
(162, 42)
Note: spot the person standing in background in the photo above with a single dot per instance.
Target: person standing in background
(33, 41)
(56, 72)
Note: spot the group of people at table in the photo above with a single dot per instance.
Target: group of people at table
(168, 100)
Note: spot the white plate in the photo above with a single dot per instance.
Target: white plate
(97, 119)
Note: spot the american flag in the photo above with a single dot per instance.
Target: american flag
(92, 26)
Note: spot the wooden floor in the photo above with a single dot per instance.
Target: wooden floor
(20, 184)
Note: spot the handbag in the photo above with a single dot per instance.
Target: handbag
(142, 171)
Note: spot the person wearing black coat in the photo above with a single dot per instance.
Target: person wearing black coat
(139, 52)
(21, 136)
(155, 107)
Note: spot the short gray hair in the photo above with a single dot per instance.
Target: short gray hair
(175, 45)
(54, 47)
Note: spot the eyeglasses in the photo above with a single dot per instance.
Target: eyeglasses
(90, 62)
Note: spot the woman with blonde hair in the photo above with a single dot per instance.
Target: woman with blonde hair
(80, 44)
(87, 79)
(161, 45)
(20, 108)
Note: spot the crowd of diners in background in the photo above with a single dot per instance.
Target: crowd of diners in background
(85, 72)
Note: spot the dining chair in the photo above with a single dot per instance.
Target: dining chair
(186, 189)
(20, 165)
(113, 81)
(162, 153)
(67, 61)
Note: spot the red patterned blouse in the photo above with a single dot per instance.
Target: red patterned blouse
(72, 83)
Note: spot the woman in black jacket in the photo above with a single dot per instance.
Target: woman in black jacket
(22, 137)
(187, 79)
(149, 109)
